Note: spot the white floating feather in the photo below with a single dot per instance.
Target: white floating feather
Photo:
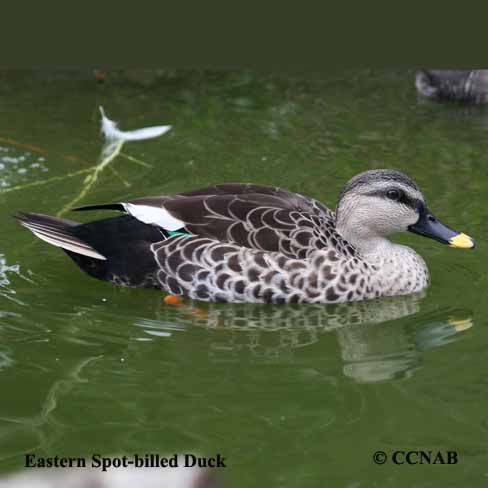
(113, 133)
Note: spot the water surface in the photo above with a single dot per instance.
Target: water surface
(290, 395)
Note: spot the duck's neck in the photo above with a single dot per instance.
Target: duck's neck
(365, 242)
(379, 246)
(395, 269)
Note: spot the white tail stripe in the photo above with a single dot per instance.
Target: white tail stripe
(54, 234)
(154, 215)
(70, 246)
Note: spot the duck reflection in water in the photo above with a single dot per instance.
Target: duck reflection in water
(379, 340)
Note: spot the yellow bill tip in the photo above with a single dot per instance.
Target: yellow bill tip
(462, 241)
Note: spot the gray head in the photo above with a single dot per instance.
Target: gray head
(380, 202)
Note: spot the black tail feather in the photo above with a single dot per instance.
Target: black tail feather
(101, 206)
(116, 249)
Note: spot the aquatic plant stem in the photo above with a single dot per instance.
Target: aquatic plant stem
(135, 160)
(46, 181)
(117, 174)
(92, 178)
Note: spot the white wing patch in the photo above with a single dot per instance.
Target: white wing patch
(154, 215)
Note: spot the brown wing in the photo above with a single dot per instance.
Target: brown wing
(254, 216)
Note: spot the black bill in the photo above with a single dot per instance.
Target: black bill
(429, 226)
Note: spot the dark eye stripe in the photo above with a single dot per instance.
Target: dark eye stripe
(404, 198)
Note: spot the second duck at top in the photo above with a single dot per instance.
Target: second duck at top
(463, 85)
(250, 243)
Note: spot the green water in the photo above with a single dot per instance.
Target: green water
(290, 395)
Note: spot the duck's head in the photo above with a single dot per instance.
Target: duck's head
(380, 202)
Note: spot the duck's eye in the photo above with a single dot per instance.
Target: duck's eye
(393, 194)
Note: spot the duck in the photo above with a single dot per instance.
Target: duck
(463, 85)
(236, 242)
